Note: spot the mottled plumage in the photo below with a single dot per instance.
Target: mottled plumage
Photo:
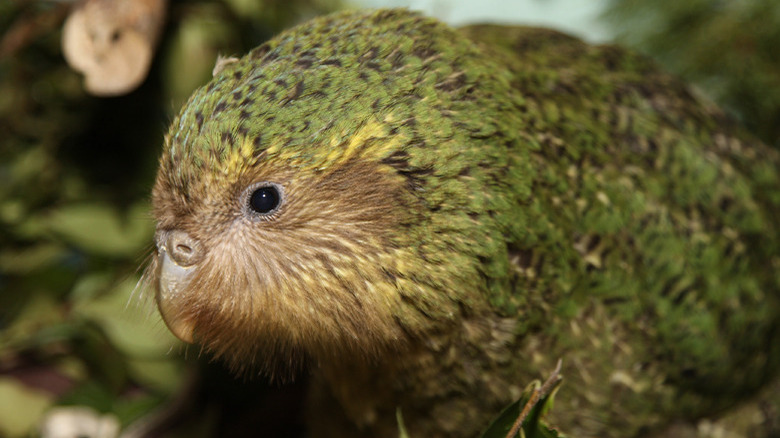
(461, 208)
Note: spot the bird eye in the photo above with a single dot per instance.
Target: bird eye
(265, 199)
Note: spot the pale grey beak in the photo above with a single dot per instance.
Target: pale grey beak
(172, 281)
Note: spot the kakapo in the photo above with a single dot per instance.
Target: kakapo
(431, 217)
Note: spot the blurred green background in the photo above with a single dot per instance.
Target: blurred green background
(76, 328)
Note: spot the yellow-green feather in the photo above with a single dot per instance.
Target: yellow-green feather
(617, 220)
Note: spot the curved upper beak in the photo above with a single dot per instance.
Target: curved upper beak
(172, 280)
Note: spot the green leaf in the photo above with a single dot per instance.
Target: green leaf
(533, 426)
(129, 409)
(164, 374)
(91, 394)
(38, 322)
(95, 228)
(20, 407)
(133, 329)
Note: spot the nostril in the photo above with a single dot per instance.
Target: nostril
(183, 249)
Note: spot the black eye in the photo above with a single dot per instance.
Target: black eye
(264, 199)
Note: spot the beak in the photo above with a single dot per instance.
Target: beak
(172, 282)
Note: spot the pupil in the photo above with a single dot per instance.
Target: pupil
(264, 199)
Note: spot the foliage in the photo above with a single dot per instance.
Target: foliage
(524, 418)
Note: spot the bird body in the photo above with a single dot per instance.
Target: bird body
(432, 217)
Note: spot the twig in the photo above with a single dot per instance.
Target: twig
(537, 394)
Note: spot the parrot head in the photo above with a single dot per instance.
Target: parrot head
(324, 195)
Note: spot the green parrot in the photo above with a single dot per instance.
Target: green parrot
(428, 218)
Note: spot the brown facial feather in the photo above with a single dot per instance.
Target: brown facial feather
(314, 279)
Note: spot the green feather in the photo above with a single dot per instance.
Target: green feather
(572, 193)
